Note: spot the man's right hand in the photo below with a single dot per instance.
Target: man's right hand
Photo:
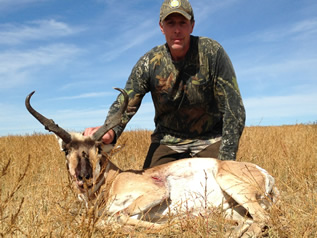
(107, 138)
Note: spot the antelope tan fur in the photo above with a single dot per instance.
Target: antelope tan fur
(244, 191)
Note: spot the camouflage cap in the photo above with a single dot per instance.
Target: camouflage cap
(176, 6)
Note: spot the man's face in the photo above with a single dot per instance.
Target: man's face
(177, 30)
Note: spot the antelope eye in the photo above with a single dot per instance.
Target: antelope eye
(99, 149)
(66, 151)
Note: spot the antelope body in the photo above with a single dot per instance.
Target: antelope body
(243, 190)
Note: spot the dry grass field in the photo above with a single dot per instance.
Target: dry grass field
(36, 199)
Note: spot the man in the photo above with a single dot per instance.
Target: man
(198, 107)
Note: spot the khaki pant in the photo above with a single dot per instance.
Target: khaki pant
(161, 154)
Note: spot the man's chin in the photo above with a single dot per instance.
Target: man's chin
(177, 47)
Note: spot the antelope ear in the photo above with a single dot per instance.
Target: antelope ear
(106, 148)
(61, 143)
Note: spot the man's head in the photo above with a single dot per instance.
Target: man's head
(177, 24)
(182, 7)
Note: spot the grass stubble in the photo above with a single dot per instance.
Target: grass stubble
(36, 198)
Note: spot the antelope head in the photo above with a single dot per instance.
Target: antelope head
(84, 154)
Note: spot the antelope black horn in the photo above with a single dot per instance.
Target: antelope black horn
(113, 120)
(49, 124)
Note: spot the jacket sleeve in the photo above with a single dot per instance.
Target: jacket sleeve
(136, 87)
(230, 105)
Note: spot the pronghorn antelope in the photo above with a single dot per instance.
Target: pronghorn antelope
(244, 191)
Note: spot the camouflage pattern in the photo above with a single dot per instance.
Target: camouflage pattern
(193, 146)
(176, 6)
(196, 100)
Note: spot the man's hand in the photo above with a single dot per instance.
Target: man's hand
(107, 138)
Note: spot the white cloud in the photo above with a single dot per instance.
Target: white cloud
(309, 25)
(18, 63)
(132, 38)
(306, 28)
(87, 95)
(8, 2)
(12, 34)
(15, 65)
(205, 8)
(276, 108)
(6, 5)
(270, 70)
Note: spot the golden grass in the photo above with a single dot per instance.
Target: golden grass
(36, 199)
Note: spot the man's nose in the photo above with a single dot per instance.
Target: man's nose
(177, 29)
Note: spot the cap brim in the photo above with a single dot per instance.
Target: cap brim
(183, 13)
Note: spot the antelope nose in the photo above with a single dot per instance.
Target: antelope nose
(84, 176)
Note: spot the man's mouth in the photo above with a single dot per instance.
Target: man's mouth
(177, 40)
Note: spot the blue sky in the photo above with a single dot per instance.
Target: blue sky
(74, 52)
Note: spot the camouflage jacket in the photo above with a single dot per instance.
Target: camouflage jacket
(195, 99)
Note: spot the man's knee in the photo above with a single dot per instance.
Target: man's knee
(159, 154)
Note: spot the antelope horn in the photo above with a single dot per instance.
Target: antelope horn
(49, 124)
(113, 120)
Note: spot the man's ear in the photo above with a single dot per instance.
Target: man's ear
(161, 27)
(193, 24)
